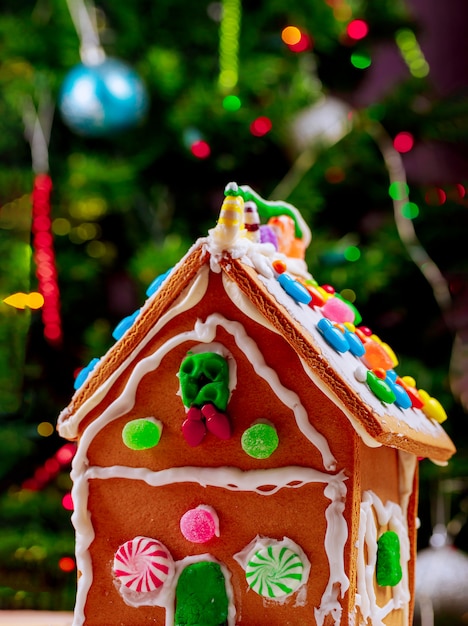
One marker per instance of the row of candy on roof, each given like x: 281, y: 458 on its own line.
x: 339, y: 327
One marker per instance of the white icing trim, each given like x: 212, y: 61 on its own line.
x: 230, y: 478
x: 68, y: 426
x: 203, y: 332
x: 246, y: 306
x: 375, y: 515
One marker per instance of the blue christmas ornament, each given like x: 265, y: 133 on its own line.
x: 102, y: 98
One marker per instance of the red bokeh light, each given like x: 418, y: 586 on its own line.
x: 304, y: 44
x: 403, y: 142
x: 200, y: 149
x: 67, y: 502
x: 357, y: 29
x: 435, y: 196
x: 66, y: 564
x: 65, y: 454
x: 261, y: 126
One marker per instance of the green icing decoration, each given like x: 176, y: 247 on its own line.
x: 388, y: 560
x: 260, y: 440
x: 204, y: 378
x: 265, y: 208
x: 201, y: 598
x: 141, y: 434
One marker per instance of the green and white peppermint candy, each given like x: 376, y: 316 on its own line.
x: 275, y: 571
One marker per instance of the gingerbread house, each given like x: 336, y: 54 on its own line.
x: 247, y: 452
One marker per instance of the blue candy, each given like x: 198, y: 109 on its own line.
x: 333, y: 335
x: 293, y: 288
x: 356, y: 346
x: 124, y: 325
x: 84, y: 373
x: 157, y: 283
x: 402, y: 399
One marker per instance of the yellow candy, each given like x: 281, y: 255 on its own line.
x: 349, y: 326
x: 376, y: 338
x: 323, y: 293
x: 409, y: 380
x: 390, y: 353
x: 424, y: 395
x: 432, y: 407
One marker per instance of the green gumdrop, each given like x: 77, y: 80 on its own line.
x: 260, y: 440
x: 388, y: 560
x: 201, y: 597
x: 205, y: 369
x: 141, y: 434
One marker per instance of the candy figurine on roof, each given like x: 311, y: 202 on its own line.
x: 247, y: 452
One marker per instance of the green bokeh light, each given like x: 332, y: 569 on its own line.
x: 410, y: 210
x: 361, y: 60
x: 232, y: 103
x: 352, y: 253
x: 398, y: 190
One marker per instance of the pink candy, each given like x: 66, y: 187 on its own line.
x: 200, y: 525
x: 337, y: 311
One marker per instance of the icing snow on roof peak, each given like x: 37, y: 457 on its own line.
x: 240, y: 232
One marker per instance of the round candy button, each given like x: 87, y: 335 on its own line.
x: 142, y: 433
x: 260, y: 440
x: 200, y: 525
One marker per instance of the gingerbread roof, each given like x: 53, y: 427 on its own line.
x: 355, y: 369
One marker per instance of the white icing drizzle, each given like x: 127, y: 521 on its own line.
x: 246, y: 306
x: 68, y: 425
x: 264, y: 482
x: 373, y: 516
x: 204, y: 332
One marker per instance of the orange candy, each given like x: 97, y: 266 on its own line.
x: 376, y: 356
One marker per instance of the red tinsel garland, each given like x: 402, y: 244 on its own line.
x: 44, y: 257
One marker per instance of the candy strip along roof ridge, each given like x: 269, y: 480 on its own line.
x: 249, y: 266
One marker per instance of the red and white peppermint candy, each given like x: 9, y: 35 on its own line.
x: 143, y: 564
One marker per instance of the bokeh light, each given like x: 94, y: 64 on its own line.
x: 361, y: 60
x: 410, y: 210
x: 349, y: 295
x: 334, y: 174
x: 357, y: 29
x: 291, y: 35
x: 435, y: 196
x: 412, y: 53
x: 398, y: 190
x: 45, y: 429
x: 403, y: 142
x: 261, y: 126
x: 66, y: 564
x: 232, y: 103
x: 352, y: 253
x: 67, y: 502
x: 200, y: 149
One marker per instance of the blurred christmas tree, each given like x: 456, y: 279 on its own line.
x: 320, y: 103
